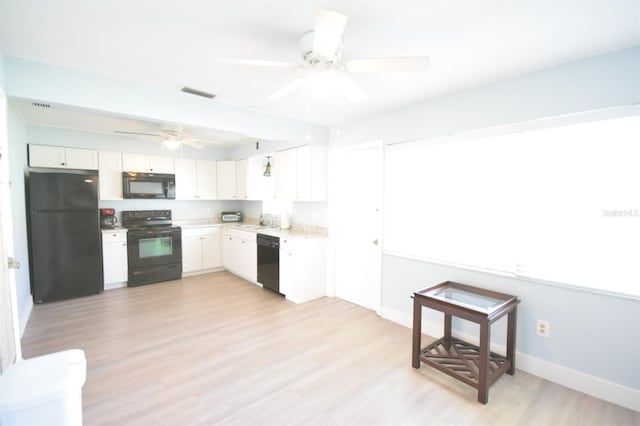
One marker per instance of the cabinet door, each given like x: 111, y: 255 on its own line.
x: 46, y: 156
x: 82, y: 159
x: 134, y: 162
x: 226, y: 180
x: 114, y: 258
x: 206, y: 180
x: 211, y: 256
x: 160, y: 164
x: 303, y: 173
x: 110, y: 172
x: 185, y: 171
x: 248, y: 258
x: 284, y: 170
x: 259, y: 186
x: 227, y: 252
x: 241, y: 179
x: 286, y: 271
x: 319, y: 163
x: 191, y: 253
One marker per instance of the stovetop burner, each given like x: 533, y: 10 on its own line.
x: 144, y: 219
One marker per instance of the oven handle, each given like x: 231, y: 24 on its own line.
x: 154, y: 233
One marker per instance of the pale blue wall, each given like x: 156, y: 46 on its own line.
x: 595, y: 334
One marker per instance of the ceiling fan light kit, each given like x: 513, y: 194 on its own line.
x: 171, y: 143
x: 321, y: 51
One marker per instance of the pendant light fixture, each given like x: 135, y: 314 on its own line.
x: 267, y: 169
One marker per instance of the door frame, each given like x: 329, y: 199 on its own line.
x: 335, y: 211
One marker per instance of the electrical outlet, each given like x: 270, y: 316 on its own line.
x: 542, y: 328
x: 207, y: 211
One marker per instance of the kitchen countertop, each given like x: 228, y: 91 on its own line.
x: 297, y: 231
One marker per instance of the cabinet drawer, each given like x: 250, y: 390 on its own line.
x: 200, y: 232
x: 114, y: 237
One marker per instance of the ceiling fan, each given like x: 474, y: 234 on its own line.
x: 171, y: 135
x: 321, y: 50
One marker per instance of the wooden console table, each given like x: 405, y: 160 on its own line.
x: 474, y: 365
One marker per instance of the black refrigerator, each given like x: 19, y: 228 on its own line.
x: 64, y: 236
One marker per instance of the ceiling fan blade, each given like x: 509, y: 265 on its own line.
x: 351, y: 90
x: 123, y: 132
x: 257, y: 63
x: 327, y: 33
x: 398, y: 64
x: 284, y: 91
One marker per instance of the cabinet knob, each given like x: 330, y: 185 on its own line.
x: 62, y: 164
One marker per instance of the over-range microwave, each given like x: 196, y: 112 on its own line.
x: 148, y: 185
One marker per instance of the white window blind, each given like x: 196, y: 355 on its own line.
x: 558, y: 204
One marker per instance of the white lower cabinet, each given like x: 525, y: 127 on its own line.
x: 303, y: 265
x: 240, y: 253
x: 114, y: 258
x: 201, y: 250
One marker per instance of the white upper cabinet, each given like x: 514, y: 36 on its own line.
x: 206, y: 179
x: 195, y: 179
x: 242, y: 167
x: 226, y: 180
x: 147, y: 163
x: 110, y: 172
x: 251, y: 184
x: 312, y: 171
x: 284, y: 172
x: 301, y: 173
x: 185, y: 171
x: 63, y: 158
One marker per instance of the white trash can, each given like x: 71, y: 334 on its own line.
x: 46, y: 390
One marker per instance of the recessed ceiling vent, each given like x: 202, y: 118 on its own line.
x: 41, y: 105
x: 197, y: 92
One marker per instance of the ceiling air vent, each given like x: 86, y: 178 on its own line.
x: 41, y: 105
x: 198, y: 92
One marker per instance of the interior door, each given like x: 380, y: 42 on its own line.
x: 355, y: 206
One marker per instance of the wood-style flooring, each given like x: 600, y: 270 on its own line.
x: 214, y: 349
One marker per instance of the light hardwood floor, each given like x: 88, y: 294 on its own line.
x: 214, y: 349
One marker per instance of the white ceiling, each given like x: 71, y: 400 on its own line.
x: 169, y: 44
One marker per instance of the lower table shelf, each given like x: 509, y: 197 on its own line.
x: 461, y: 360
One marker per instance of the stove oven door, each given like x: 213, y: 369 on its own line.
x: 154, y: 255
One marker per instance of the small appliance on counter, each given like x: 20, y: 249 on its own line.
x: 231, y: 216
x: 108, y: 219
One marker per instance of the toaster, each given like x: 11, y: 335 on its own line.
x: 231, y: 216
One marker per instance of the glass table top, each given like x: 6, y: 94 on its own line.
x: 465, y: 298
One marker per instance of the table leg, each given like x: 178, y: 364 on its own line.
x: 417, y: 332
x: 483, y: 367
x: 511, y: 340
x: 447, y: 325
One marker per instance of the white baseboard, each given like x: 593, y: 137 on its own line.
x: 111, y: 286
x: 608, y: 391
x: 24, y: 315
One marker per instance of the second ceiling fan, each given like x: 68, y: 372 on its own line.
x: 321, y: 50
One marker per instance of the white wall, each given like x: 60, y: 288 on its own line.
x: 32, y: 80
x: 17, y: 158
x: 595, y: 335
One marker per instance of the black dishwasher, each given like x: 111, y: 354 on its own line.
x: 269, y: 262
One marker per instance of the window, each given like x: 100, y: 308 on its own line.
x: 559, y: 204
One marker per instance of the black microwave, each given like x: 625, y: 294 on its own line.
x: 148, y: 185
